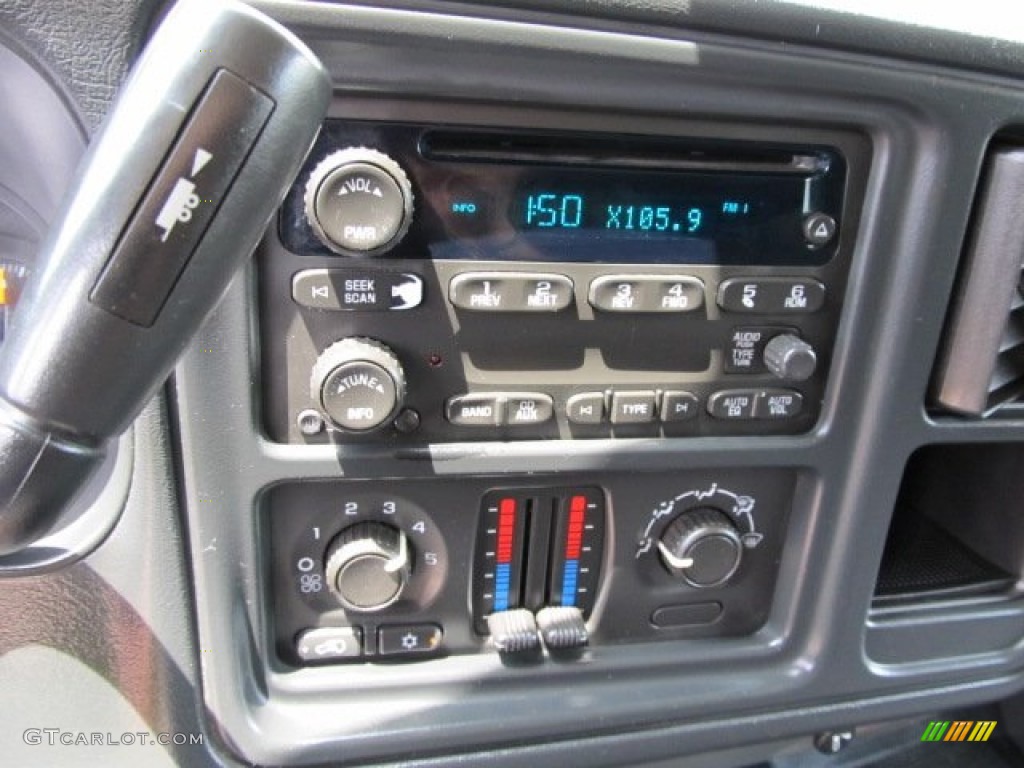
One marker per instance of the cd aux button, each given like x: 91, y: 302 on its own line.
x: 646, y: 293
x: 528, y: 408
x: 510, y: 292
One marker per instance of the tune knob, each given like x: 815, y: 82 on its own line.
x: 790, y: 357
x: 703, y: 546
x: 358, y: 383
x: 359, y: 202
x: 368, y: 566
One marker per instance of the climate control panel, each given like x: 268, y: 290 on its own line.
x: 520, y: 566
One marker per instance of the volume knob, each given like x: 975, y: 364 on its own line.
x: 359, y: 202
x: 358, y: 383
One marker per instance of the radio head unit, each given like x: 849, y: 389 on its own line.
x: 438, y: 284
x: 513, y: 197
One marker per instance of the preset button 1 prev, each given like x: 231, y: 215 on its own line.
x: 510, y: 292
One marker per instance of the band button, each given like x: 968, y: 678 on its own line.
x: 478, y: 410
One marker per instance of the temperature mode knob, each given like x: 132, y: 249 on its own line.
x: 790, y: 357
x: 359, y: 202
x: 703, y: 546
x: 358, y: 383
x: 368, y: 566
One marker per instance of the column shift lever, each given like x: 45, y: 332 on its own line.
x: 174, y: 194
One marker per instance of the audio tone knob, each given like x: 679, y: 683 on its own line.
x: 358, y: 383
x: 790, y: 357
x: 703, y: 546
x: 359, y: 202
x: 368, y: 566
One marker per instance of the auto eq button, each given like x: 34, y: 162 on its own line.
x: 733, y: 404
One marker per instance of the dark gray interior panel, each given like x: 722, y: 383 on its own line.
x: 880, y: 583
x: 813, y: 644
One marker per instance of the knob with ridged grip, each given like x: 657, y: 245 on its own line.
x: 703, y: 546
x: 358, y: 383
x: 789, y: 357
x: 359, y: 202
x: 368, y: 566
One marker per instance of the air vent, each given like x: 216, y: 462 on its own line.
x: 1006, y: 385
x: 981, y: 371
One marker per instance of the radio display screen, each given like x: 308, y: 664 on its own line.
x: 499, y: 199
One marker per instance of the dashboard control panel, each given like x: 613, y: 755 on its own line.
x: 431, y: 285
x: 363, y: 571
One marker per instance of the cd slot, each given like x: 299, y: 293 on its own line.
x: 620, y: 152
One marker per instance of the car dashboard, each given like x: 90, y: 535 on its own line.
x: 616, y: 383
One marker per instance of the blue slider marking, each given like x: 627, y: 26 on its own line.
x: 570, y: 575
x: 502, y: 585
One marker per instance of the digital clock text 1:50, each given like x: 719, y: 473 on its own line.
x: 560, y: 211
